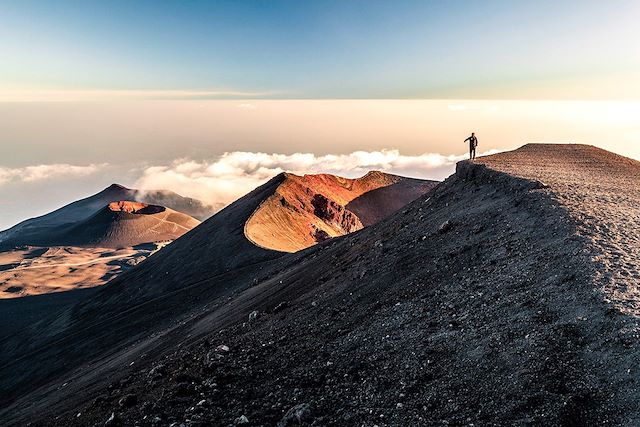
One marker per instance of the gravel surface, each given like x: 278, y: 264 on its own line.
x: 601, y: 192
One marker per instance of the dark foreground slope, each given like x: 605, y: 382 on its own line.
x: 143, y: 305
x: 488, y: 301
x: 196, y: 269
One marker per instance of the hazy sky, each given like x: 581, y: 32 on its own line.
x: 153, y: 94
x: 324, y: 49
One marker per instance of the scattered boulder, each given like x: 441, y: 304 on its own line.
x: 113, y: 421
x: 296, y: 416
x: 221, y: 349
x: 241, y: 420
x: 128, y: 401
x: 184, y: 390
x: 212, y: 357
x: 445, y: 226
x: 157, y: 372
x: 132, y: 262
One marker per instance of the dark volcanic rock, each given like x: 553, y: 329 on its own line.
x: 333, y: 213
x: 128, y: 401
x: 298, y: 415
x: 113, y: 421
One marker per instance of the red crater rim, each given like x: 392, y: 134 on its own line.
x: 134, y: 207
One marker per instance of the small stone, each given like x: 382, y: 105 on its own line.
x: 253, y: 316
x: 113, y: 421
x: 296, y: 416
x: 157, y: 372
x: 280, y: 306
x: 445, y: 226
x: 222, y: 348
x: 99, y: 400
x: 128, y: 401
x: 242, y: 419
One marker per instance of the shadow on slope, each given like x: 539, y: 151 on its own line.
x: 375, y: 205
x: 143, y: 299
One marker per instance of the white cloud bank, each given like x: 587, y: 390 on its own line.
x: 234, y: 174
x: 41, y: 172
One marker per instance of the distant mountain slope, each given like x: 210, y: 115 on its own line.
x: 92, y: 251
x: 375, y: 205
x: 305, y: 210
x: 38, y: 231
x: 124, y: 224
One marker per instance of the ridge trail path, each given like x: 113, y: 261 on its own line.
x: 163, y: 220
x: 68, y: 264
x: 601, y: 191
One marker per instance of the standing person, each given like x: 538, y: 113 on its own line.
x: 473, y: 143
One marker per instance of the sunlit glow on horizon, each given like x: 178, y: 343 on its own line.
x: 131, y: 135
x: 92, y: 95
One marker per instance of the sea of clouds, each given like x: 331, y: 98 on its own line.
x: 233, y: 174
x: 221, y: 180
x: 41, y: 172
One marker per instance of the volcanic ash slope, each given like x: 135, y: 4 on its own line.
x: 127, y: 223
x: 505, y: 296
x: 89, y: 252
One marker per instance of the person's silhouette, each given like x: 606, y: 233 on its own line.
x: 473, y: 143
